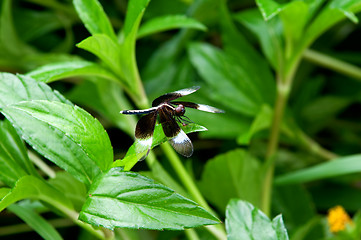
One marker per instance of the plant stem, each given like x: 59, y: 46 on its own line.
x: 191, y: 187
x: 191, y: 234
x: 41, y: 165
x: 333, y: 63
x: 23, y: 227
x: 282, y: 95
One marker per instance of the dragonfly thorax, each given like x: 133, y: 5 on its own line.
x: 180, y: 110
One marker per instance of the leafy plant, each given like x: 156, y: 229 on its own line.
x: 248, y: 59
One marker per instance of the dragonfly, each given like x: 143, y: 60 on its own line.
x: 170, y: 113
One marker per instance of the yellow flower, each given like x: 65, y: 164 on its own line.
x: 337, y: 219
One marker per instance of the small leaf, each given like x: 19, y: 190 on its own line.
x: 127, y: 199
x: 17, y: 88
x: 164, y: 23
x: 241, y: 176
x: 14, y: 161
x: 136, y: 151
x: 244, y: 221
x: 262, y: 121
x: 337, y: 167
x: 135, y: 13
x: 34, y: 188
x: 55, y: 71
x: 269, y: 8
x: 36, y: 222
x: 66, y: 135
x: 106, y: 49
x: 94, y: 17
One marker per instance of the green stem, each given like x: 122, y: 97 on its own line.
x: 41, y: 165
x: 332, y: 63
x: 23, y: 227
x: 191, y: 234
x: 189, y: 184
x: 73, y: 215
x: 282, y: 95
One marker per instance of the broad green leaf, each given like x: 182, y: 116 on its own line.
x: 108, y: 99
x: 241, y: 176
x: 3, y: 192
x: 213, y: 64
x: 127, y: 199
x: 136, y: 151
x: 244, y: 221
x: 14, y: 160
x: 253, y: 71
x: 66, y: 135
x: 36, y: 222
x: 35, y: 188
x: 94, y: 17
x: 17, y: 88
x: 73, y: 190
x: 337, y: 167
x: 106, y: 49
x: 268, y: 34
x: 164, y: 23
x: 55, y: 71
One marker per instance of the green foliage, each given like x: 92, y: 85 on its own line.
x: 288, y: 117
x: 126, y: 199
x: 244, y: 221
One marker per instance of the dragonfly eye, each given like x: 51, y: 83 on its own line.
x: 180, y: 110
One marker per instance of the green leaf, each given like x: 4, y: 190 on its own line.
x: 134, y: 15
x: 106, y: 49
x: 164, y: 23
x: 91, y: 94
x: 213, y: 64
x: 244, y: 221
x: 127, y: 199
x: 59, y: 70
x: 10, y: 43
x: 136, y: 151
x: 241, y: 176
x: 253, y: 71
x: 269, y: 8
x: 127, y: 38
x: 295, y: 204
x: 337, y: 167
x: 66, y: 135
x: 17, y: 88
x: 94, y: 17
x: 334, y: 12
x: 14, y: 161
x: 262, y: 121
x: 35, y: 188
x: 268, y: 34
x: 36, y: 222
x: 72, y: 189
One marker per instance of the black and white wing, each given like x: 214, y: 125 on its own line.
x: 144, y: 133
x: 174, y: 95
x: 177, y: 137
x: 202, y: 107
